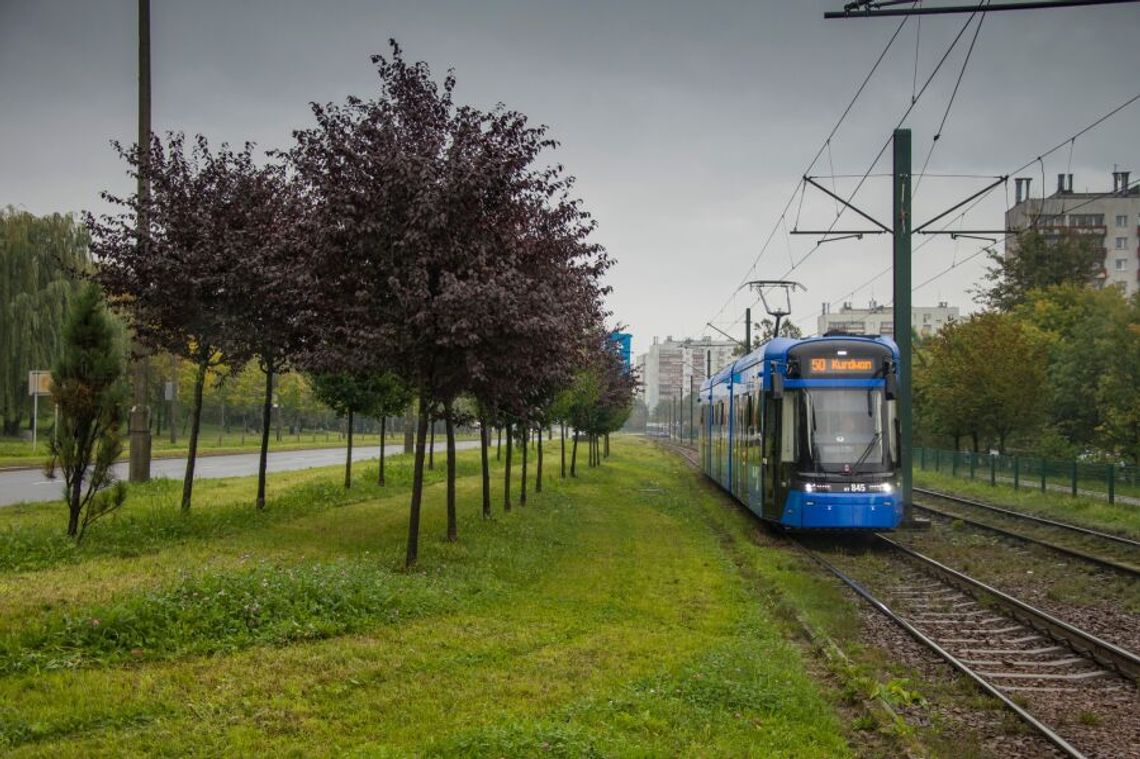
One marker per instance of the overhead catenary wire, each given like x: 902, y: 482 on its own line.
x: 815, y: 158
x: 887, y: 143
x: 800, y: 188
x: 949, y: 103
x: 1070, y: 141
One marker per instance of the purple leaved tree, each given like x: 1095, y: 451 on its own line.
x: 176, y: 278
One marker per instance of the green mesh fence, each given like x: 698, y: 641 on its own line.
x: 1114, y: 482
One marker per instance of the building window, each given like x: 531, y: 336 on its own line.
x: 1121, y: 243
x: 1086, y: 219
x: 1121, y: 220
x: 1121, y: 263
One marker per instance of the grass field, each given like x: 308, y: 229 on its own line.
x: 605, y: 618
x: 16, y: 452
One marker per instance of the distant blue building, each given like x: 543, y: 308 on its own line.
x: 624, y: 342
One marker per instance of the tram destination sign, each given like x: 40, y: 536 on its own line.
x: 838, y: 366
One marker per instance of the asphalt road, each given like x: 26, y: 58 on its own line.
x: 31, y: 485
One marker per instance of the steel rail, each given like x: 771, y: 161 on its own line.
x: 1046, y: 731
x: 1091, y: 558
x: 1029, y: 517
x: 1116, y: 658
x: 1110, y: 655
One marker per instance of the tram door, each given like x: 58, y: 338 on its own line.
x: 772, y: 509
x: 755, y: 452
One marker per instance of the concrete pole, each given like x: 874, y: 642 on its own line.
x: 139, y: 419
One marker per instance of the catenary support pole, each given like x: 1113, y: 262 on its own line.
x: 902, y: 297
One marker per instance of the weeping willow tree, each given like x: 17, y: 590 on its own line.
x: 41, y: 257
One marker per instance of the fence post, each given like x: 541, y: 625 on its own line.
x: 1043, y: 465
x: 993, y: 471
x: 1074, y: 478
x: 1016, y: 473
x: 954, y: 464
x: 922, y: 459
x: 1111, y: 484
x: 973, y: 465
x: 938, y: 460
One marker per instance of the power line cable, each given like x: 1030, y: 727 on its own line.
x: 1071, y: 140
x: 815, y: 158
x: 949, y: 103
x: 887, y: 144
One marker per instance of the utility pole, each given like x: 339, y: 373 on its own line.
x: 139, y: 420
x: 902, y: 310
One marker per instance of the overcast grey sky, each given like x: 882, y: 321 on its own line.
x: 687, y: 124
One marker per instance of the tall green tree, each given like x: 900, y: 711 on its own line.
x: 1036, y: 262
x: 1093, y: 365
x: 41, y: 258
x: 86, y: 386
x: 350, y: 394
x: 980, y: 377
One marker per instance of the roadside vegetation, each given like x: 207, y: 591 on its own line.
x: 1094, y: 513
x: 568, y: 627
x: 1049, y: 369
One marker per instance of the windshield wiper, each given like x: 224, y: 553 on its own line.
x: 866, y: 452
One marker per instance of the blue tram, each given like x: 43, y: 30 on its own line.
x: 805, y: 434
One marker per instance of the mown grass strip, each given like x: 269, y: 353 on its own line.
x: 602, y: 619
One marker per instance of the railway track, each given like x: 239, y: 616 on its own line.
x: 1104, y: 549
x: 1076, y: 690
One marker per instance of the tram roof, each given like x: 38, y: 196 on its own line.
x: 777, y: 350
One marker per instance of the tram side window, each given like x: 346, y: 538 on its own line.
x: 788, y: 423
x: 770, y: 427
x: 892, y: 432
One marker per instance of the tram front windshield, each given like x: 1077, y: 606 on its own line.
x: 844, y: 429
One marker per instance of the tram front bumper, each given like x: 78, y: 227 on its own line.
x: 841, y: 511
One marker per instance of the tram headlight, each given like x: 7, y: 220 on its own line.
x: 817, y: 487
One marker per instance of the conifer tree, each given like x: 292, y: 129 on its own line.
x: 86, y: 386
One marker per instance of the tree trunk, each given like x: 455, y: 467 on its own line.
x: 574, y: 455
x: 607, y: 445
x: 499, y: 449
x: 507, y: 473
x: 417, y: 488
x: 409, y: 428
x: 538, y: 465
x: 484, y: 444
x: 383, y: 431
x: 173, y: 398
x: 348, y: 457
x: 524, y: 440
x: 73, y: 498
x: 562, y: 432
x: 266, y: 411
x: 196, y: 423
x: 974, y: 437
x: 452, y: 526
